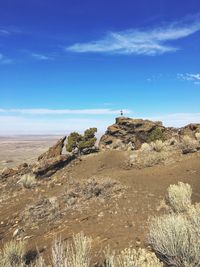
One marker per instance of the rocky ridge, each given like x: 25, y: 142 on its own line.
x: 130, y: 134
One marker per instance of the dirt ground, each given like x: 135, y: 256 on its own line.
x: 118, y: 217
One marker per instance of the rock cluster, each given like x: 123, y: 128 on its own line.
x: 130, y: 134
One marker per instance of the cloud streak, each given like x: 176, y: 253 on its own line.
x: 44, y: 111
x: 193, y: 77
x: 140, y: 42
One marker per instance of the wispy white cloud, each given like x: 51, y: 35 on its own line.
x: 193, y: 77
x: 178, y: 119
x: 43, y: 111
x: 40, y: 57
x: 140, y: 42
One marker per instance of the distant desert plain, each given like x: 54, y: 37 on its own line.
x: 23, y: 148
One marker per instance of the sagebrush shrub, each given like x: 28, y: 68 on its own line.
x: 174, y: 238
x: 27, y: 180
x: 131, y: 257
x: 12, y: 254
x: 72, y: 254
x: 179, y: 197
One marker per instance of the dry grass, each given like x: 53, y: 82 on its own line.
x: 179, y: 197
x: 75, y: 254
x: 28, y: 180
x: 12, y: 254
x: 130, y: 257
x: 194, y: 216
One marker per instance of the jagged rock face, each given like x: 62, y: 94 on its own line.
x: 127, y: 133
x: 53, y: 151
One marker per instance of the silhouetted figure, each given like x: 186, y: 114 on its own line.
x: 121, y: 113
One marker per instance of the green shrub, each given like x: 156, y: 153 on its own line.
x: 76, y: 140
x: 156, y: 134
x: 73, y: 140
x: 90, y: 133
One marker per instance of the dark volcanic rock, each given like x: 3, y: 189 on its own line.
x: 54, y: 151
x: 129, y: 134
x: 18, y: 171
x: 47, y: 167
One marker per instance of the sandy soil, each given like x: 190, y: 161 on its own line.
x: 119, y: 220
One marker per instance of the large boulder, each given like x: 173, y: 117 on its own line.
x: 54, y: 151
x: 129, y: 133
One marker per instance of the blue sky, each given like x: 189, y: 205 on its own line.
x: 68, y: 64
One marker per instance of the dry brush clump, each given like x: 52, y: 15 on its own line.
x: 92, y: 189
x: 179, y: 197
x: 27, y: 180
x: 45, y: 209
x: 175, y: 237
x: 130, y: 257
x: 147, y: 158
x: 175, y: 240
x: 12, y: 254
x: 189, y: 145
x: 72, y: 254
x: 153, y: 153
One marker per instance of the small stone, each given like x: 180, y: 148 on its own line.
x: 101, y: 214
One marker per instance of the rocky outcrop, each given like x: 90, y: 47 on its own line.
x: 190, y: 130
x: 47, y: 167
x: 10, y: 172
x: 48, y: 163
x: 130, y: 134
x: 54, y: 151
